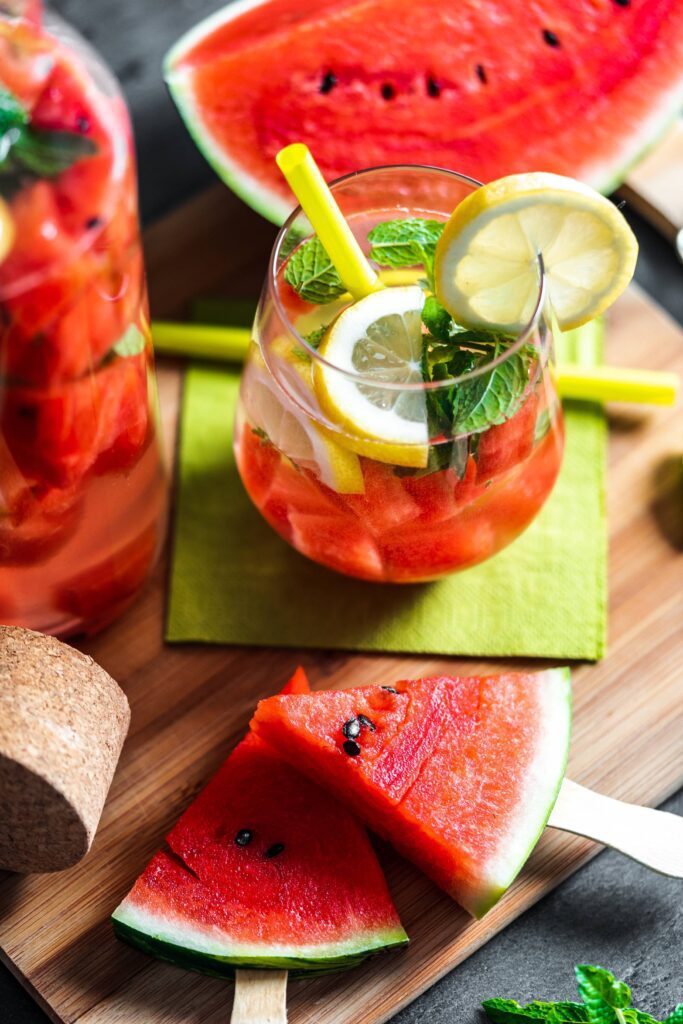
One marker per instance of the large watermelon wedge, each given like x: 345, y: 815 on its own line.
x: 486, y: 87
x: 263, y: 870
x: 459, y: 774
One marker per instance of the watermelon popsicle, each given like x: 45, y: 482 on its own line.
x: 461, y: 775
x: 263, y: 870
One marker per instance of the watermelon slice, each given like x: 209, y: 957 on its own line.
x: 486, y: 87
x: 264, y: 869
x: 460, y: 774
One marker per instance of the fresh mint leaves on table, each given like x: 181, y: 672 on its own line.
x: 449, y: 350
x: 28, y: 154
x: 605, y: 1001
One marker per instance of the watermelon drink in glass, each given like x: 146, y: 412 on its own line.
x: 377, y: 437
x: 82, y: 483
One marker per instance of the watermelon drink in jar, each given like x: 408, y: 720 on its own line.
x: 381, y: 437
x: 82, y: 483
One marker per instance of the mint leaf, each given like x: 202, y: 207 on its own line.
x: 12, y: 114
x: 309, y: 271
x: 436, y: 319
x: 492, y: 397
x: 131, y: 343
x: 28, y: 154
x: 47, y: 154
x: 507, y: 1011
x: 313, y: 338
x: 406, y: 242
x: 604, y: 996
x: 606, y: 1000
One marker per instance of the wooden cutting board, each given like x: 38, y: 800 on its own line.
x: 191, y: 704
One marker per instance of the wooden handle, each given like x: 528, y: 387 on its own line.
x: 260, y: 997
x: 655, y: 838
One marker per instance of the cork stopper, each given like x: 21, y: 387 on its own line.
x: 63, y: 721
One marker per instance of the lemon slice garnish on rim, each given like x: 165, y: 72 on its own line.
x: 293, y: 432
x: 486, y: 265
x: 378, y: 338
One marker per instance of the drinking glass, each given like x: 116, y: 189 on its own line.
x: 348, y: 502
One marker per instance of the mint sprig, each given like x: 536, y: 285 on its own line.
x: 405, y: 243
x: 605, y: 1001
x: 28, y: 154
x: 309, y: 271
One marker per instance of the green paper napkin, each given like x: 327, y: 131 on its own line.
x: 235, y: 581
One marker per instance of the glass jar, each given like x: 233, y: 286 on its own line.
x: 404, y: 512
x: 82, y: 481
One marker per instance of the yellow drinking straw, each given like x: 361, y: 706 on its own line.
x: 308, y: 185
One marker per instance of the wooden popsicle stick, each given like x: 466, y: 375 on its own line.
x: 260, y: 997
x: 654, y: 838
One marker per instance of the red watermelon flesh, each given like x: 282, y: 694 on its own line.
x: 301, y: 890
x: 485, y: 87
x: 460, y: 774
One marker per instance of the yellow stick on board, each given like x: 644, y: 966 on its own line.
x: 617, y: 384
x: 308, y: 185
x: 590, y: 383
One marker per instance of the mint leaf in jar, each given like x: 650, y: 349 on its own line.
x: 28, y: 154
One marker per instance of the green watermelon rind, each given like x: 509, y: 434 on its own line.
x: 269, y: 203
x: 558, y: 738
x: 274, y: 207
x: 156, y: 942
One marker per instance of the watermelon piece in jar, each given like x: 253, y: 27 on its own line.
x: 56, y: 434
x: 101, y: 592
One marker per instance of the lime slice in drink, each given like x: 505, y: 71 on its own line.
x: 486, y: 266
x: 378, y: 339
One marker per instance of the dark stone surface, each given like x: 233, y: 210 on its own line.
x: 613, y: 912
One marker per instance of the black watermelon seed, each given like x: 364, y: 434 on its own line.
x: 389, y: 689
x: 329, y: 80
x: 481, y: 73
x: 622, y: 3
x: 366, y: 722
x: 274, y: 850
x: 550, y: 38
x: 351, y: 729
x: 83, y: 125
x: 433, y: 88
x: 388, y: 91
x: 244, y: 837
x: 93, y: 222
x: 351, y: 748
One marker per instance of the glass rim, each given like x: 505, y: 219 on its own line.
x: 521, y: 339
